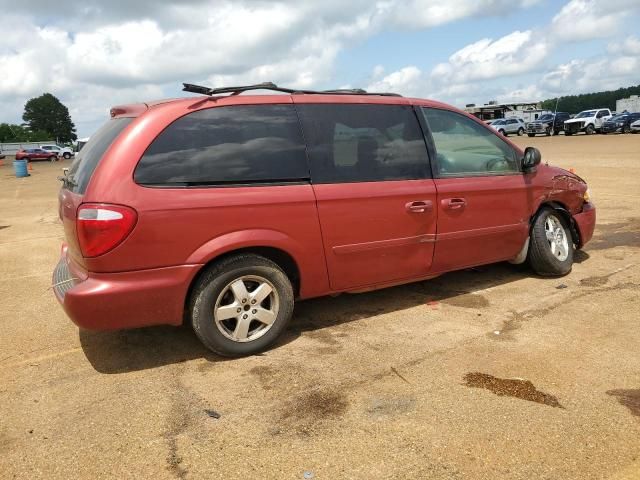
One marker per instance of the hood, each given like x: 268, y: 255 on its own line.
x: 561, y: 173
x: 576, y: 120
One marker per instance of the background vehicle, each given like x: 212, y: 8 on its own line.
x: 36, y: 154
x: 505, y: 126
x: 635, y: 127
x: 64, y: 152
x: 588, y: 121
x: 227, y: 211
x: 620, y: 123
x: 547, y: 124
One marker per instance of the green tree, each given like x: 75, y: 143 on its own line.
x: 47, y: 114
x: 16, y: 133
x: 577, y: 103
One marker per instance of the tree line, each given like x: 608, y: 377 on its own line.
x: 46, y: 118
x: 585, y: 101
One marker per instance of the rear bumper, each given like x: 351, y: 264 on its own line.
x: 586, y: 223
x: 111, y: 301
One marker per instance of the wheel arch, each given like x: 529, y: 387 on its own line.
x: 564, y: 212
x: 285, y: 260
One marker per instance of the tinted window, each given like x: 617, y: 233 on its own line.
x: 87, y: 159
x: 227, y: 145
x: 363, y: 143
x: 602, y: 113
x: 465, y: 147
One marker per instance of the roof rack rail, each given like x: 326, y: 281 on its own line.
x: 189, y: 87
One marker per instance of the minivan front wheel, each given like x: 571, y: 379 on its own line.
x: 241, y: 305
x: 551, y: 245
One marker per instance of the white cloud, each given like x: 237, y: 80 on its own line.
x: 95, y: 54
x: 582, y: 20
x: 513, y: 54
x: 629, y: 46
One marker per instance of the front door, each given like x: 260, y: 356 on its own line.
x: 484, y: 201
x: 376, y: 200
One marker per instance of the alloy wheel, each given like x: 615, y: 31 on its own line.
x: 246, y: 308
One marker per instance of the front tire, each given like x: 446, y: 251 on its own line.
x: 626, y: 129
x: 502, y: 132
x: 241, y: 305
x: 53, y: 158
x: 590, y: 130
x: 66, y: 155
x: 551, y: 244
x: 520, y: 131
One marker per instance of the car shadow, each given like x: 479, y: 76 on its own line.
x: 152, y: 347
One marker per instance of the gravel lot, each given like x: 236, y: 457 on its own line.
x: 482, y: 374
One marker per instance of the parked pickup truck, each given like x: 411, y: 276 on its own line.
x: 548, y: 123
x: 587, y: 121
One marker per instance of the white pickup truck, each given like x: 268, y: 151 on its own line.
x: 587, y: 121
x: 64, y: 152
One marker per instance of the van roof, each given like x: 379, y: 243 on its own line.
x: 197, y: 102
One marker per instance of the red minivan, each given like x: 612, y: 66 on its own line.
x: 221, y: 210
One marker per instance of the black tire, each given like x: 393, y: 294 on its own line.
x: 215, y: 281
x: 531, y: 134
x: 66, y: 155
x: 502, y: 132
x: 548, y: 131
x: 520, y: 131
x: 567, y: 133
x: 626, y: 129
x: 556, y: 132
x: 540, y: 256
x: 53, y: 158
x: 590, y: 130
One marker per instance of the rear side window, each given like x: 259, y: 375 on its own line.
x: 227, y: 145
x: 87, y: 159
x: 363, y: 143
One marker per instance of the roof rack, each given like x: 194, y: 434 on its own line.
x: 189, y: 87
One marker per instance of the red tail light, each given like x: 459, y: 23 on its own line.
x: 102, y: 227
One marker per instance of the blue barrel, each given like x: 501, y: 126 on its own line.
x: 20, y: 166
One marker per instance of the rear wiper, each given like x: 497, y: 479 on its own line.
x: 66, y: 179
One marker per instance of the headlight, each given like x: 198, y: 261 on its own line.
x: 586, y: 196
x: 619, y: 124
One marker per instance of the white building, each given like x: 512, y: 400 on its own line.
x: 631, y: 104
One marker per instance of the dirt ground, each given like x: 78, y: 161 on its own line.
x: 482, y: 374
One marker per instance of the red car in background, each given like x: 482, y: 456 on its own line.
x: 29, y: 154
x: 222, y: 210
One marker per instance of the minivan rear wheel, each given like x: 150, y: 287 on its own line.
x: 241, y: 305
x: 551, y: 244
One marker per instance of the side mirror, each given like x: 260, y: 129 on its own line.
x: 531, y: 159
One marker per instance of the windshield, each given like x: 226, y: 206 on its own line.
x: 545, y: 117
x: 586, y: 113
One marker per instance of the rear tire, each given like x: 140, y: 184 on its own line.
x: 66, y: 155
x: 520, y: 131
x: 228, y: 312
x: 551, y: 244
x: 626, y: 129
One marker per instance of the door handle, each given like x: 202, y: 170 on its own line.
x: 454, y: 203
x: 419, y: 206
